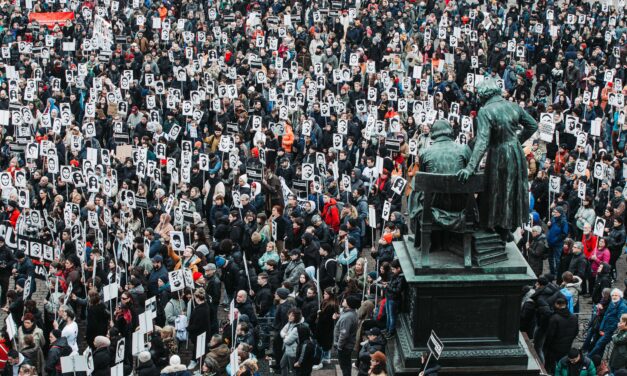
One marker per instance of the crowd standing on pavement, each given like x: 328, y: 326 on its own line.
x: 215, y: 187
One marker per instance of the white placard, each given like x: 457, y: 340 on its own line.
x: 201, y: 342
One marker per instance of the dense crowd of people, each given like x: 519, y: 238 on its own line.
x: 215, y: 188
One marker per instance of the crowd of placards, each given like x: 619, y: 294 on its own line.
x: 163, y: 161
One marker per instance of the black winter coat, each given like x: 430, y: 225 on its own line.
x: 578, y: 265
x: 147, y: 369
x: 264, y: 299
x: 561, y: 332
x: 97, y: 322
x: 543, y: 298
x: 199, y: 321
x: 363, y: 359
x: 101, y: 362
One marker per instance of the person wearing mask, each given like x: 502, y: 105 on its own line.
x: 610, y: 321
x: 345, y: 332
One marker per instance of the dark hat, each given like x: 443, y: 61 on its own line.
x: 374, y: 332
x: 573, y: 353
x: 353, y: 301
x: 56, y: 333
x: 157, y: 258
x: 542, y: 281
x: 1, y: 238
x: 19, y: 254
x: 20, y: 282
x: 282, y: 292
x: 13, y: 203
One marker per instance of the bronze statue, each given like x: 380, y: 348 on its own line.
x: 504, y: 204
x: 444, y: 156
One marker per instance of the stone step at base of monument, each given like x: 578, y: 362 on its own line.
x: 489, y: 245
x: 487, y: 259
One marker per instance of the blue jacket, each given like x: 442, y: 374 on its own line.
x: 557, y: 232
x: 612, y: 316
x: 155, y: 247
x: 153, y: 280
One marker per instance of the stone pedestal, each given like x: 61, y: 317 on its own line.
x: 475, y: 312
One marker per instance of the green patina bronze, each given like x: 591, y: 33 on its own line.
x: 502, y: 126
x: 444, y: 156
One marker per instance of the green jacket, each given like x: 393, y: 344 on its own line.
x: 587, y: 368
x: 618, y: 359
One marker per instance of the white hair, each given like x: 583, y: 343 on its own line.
x: 620, y: 292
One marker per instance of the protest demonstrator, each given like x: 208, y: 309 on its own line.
x: 215, y: 187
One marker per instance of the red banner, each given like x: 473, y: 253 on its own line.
x: 51, y: 18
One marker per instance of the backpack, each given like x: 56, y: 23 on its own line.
x: 65, y: 351
x: 180, y: 325
x: 569, y: 299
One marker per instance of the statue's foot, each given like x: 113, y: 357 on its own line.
x: 505, y: 234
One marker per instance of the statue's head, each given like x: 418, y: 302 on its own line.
x: 441, y: 128
x: 487, y: 89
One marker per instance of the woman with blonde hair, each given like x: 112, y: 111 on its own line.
x: 270, y: 254
x: 358, y: 273
x: 169, y: 341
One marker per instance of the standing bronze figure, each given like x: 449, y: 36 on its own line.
x: 504, y: 204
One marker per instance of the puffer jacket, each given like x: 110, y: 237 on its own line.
x: 544, y: 297
x: 561, y: 331
x: 612, y: 316
x: 289, y: 333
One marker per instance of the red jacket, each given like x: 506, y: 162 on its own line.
x: 15, y: 214
x: 331, y: 215
x: 4, y: 354
x: 589, y: 245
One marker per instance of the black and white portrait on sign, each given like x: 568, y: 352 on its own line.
x: 308, y: 171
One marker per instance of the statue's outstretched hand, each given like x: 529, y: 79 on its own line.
x: 463, y: 175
